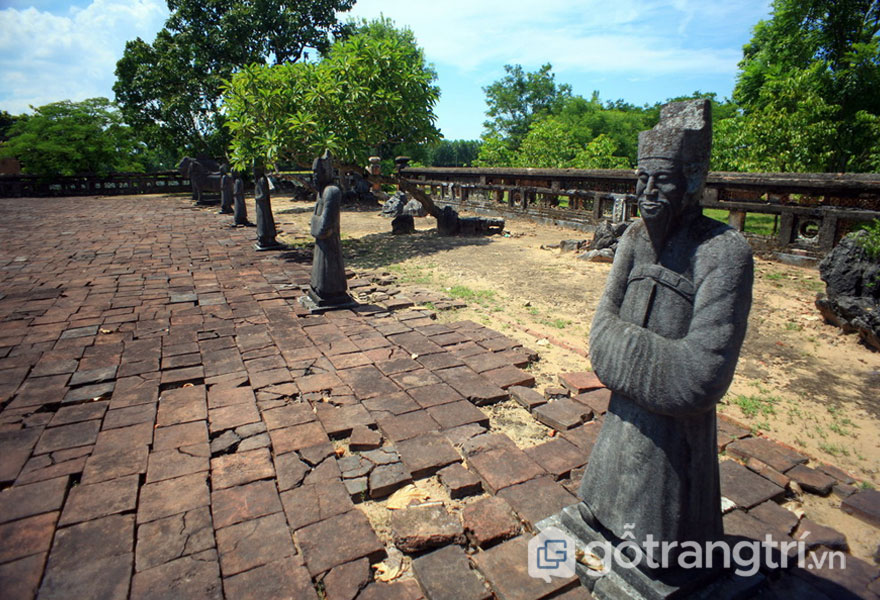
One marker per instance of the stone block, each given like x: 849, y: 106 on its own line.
x: 813, y: 534
x: 745, y: 488
x: 580, y: 382
x: 385, y: 479
x: 489, y: 520
x: 418, y: 528
x: 172, y: 496
x: 456, y: 414
x: 864, y: 505
x: 503, y: 567
x: 503, y: 467
x: 278, y: 580
x: 403, y: 427
x: 173, y: 537
x: 768, y: 472
x: 311, y: 503
x: 86, y: 502
x: 364, y: 438
x: 558, y: 457
x: 595, y: 400
x: 426, y: 454
x: 191, y: 576
x: 254, y: 543
x: 168, y: 464
x: 32, y: 535
x: 528, y: 398
x: 445, y: 574
x: 459, y: 482
x: 537, y: 499
x: 811, y: 480
x: 775, y: 516
x: 320, y: 542
x: 241, y: 467
x: 346, y: 581
x: 777, y: 456
x: 508, y: 376
x: 338, y: 421
x: 562, y: 414
x: 244, y: 502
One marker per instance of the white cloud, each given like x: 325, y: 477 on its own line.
x: 636, y: 36
x: 46, y: 57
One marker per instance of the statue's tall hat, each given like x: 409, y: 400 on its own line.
x: 683, y: 135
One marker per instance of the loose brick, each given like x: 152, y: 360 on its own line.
x: 459, y: 482
x: 322, y: 550
x: 537, y: 499
x: 241, y: 467
x: 426, y: 454
x: 418, y: 528
x: 489, y: 520
x: 253, y: 543
x: 503, y: 467
x: 445, y: 574
x: 244, y: 502
x: 745, y: 488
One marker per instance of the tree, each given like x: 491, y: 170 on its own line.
x: 170, y: 90
x: 372, y: 91
x: 69, y: 138
x: 453, y: 153
x: 813, y: 67
x: 518, y: 98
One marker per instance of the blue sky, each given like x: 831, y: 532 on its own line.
x: 641, y: 51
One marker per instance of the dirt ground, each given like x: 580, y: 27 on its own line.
x: 799, y: 380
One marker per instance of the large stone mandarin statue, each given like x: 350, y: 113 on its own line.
x: 665, y: 339
x: 329, y: 286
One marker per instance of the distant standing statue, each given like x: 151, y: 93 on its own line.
x: 329, y: 287
x: 240, y: 208
x: 266, y: 231
x: 226, y: 193
x: 665, y: 340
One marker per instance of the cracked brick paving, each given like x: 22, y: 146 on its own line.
x: 171, y: 422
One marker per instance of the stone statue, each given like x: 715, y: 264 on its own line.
x: 329, y: 286
x: 226, y: 193
x: 665, y: 340
x: 204, y: 175
x: 240, y: 208
x: 265, y: 221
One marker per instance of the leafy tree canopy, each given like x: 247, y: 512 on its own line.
x: 372, y: 91
x: 809, y: 90
x: 170, y: 90
x: 518, y: 98
x: 70, y: 138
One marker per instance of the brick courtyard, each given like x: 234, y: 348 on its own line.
x: 175, y: 425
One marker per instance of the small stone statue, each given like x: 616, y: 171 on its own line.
x: 240, y: 207
x: 665, y: 339
x: 226, y: 192
x: 329, y: 286
x: 265, y: 221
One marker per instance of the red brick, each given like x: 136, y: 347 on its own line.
x: 322, y: 550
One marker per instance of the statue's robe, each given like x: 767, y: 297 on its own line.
x: 665, y: 339
x: 328, y: 283
x: 266, y: 231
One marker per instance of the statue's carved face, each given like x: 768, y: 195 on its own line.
x: 660, y: 190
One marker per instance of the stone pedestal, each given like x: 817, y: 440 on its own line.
x: 636, y: 584
x: 317, y: 305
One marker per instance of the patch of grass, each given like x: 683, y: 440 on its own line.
x: 792, y: 326
x: 774, y: 276
x: 468, y: 295
x: 752, y: 406
x: 760, y: 224
x: 866, y: 485
x: 839, y: 429
x: 557, y: 323
x: 717, y: 214
x: 833, y: 449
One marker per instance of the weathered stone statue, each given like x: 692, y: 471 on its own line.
x: 240, y: 208
x: 226, y: 192
x: 665, y: 339
x: 329, y: 286
x: 265, y: 221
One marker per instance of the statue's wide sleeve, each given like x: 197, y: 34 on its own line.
x: 677, y: 376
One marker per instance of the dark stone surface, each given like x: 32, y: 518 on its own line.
x: 580, y: 381
x: 537, y: 499
x: 852, y: 298
x: 193, y: 576
x: 665, y: 339
x: 811, y: 480
x: 526, y: 397
x: 328, y: 286
x: 445, y: 574
x: 558, y: 457
x: 266, y: 231
x: 170, y: 538
x: 385, y: 479
x: 253, y: 543
x: 865, y: 505
x: 278, y: 580
x: 562, y: 414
